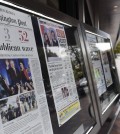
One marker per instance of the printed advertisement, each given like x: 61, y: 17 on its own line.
x: 97, y: 65
x: 106, y: 68
x: 60, y: 70
x: 23, y: 104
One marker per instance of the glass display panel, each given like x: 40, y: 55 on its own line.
x: 103, y: 68
x: 66, y: 54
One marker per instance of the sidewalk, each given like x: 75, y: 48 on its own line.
x: 116, y: 127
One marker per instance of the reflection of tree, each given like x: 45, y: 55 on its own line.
x: 76, y: 64
x: 77, y: 70
x: 46, y: 78
x: 44, y: 68
x: 117, y: 49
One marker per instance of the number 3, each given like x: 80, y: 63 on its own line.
x: 7, y: 35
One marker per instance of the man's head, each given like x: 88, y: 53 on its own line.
x: 53, y: 34
x: 12, y: 64
x: 21, y: 65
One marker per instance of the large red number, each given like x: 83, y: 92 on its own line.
x: 23, y: 36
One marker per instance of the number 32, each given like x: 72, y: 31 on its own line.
x: 23, y: 36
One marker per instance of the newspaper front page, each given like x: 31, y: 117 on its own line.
x: 60, y: 70
x: 97, y: 64
x: 23, y: 104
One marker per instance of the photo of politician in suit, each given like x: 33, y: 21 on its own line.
x: 12, y: 71
x: 54, y: 39
x: 15, y: 77
x: 4, y: 88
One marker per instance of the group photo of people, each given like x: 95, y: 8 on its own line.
x: 28, y: 102
x: 14, y: 107
x: 65, y: 92
x: 10, y: 109
x: 49, y: 36
x: 50, y: 41
x: 15, y: 77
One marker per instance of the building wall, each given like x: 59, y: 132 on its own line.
x: 77, y: 9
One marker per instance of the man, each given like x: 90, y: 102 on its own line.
x: 12, y: 71
x: 23, y: 73
x: 10, y: 114
x: 54, y: 40
x: 4, y: 88
x: 18, y: 110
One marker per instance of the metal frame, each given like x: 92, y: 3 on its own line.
x: 97, y: 127
x: 47, y: 11
x: 105, y: 114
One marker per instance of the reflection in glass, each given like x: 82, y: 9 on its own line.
x: 107, y: 88
x: 85, y: 118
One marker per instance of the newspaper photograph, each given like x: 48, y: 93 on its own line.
x: 15, y: 77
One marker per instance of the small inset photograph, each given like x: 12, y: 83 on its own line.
x: 28, y: 102
x: 10, y: 109
x: 49, y: 36
x: 60, y: 33
x: 50, y: 42
x: 95, y: 55
x: 53, y: 54
x: 65, y: 92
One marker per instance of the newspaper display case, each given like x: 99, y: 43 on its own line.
x: 103, y: 69
x: 62, y: 100
x: 66, y: 83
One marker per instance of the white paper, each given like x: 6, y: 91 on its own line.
x: 97, y: 65
x: 98, y: 72
x: 60, y: 70
x: 22, y: 93
x: 106, y: 68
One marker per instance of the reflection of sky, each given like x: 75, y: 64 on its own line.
x: 5, y: 108
x: 73, y: 56
x: 62, y: 52
x: 54, y: 50
x: 12, y: 101
x: 59, y: 51
x: 103, y: 46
